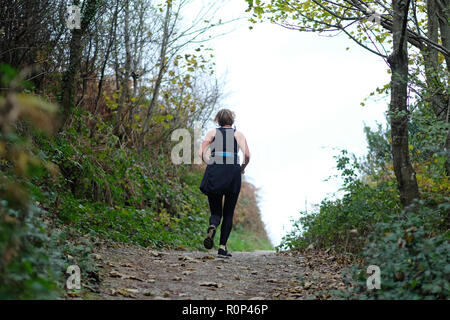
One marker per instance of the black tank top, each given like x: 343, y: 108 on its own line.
x: 223, y: 174
x: 224, y: 147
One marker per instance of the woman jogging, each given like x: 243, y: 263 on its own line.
x: 222, y: 178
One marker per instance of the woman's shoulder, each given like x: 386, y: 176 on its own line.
x: 210, y: 134
x: 239, y: 134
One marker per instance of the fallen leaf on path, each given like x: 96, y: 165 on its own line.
x: 272, y: 280
x: 188, y: 259
x: 276, y: 294
x: 115, y: 274
x: 177, y: 278
x: 132, y: 290
x: 155, y: 253
x: 134, y: 278
x: 90, y: 288
x: 127, y: 265
x: 307, y: 285
x: 296, y: 290
x: 122, y: 292
x: 211, y: 284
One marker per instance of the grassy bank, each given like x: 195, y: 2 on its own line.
x: 410, y: 245
x: 247, y: 240
x: 68, y: 193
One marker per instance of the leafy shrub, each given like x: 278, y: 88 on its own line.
x: 33, y: 256
x: 411, y: 246
x: 152, y: 226
x: 413, y: 256
x: 26, y: 271
x: 344, y: 223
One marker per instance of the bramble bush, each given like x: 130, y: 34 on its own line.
x: 126, y: 196
x: 343, y: 224
x: 412, y: 250
x: 33, y: 255
x: 411, y: 246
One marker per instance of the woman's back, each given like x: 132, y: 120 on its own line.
x: 219, y: 140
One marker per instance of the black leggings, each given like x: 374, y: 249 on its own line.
x: 227, y: 211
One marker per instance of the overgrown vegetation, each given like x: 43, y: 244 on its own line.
x: 413, y: 252
x: 34, y: 254
x: 410, y: 245
x: 85, y: 127
x: 379, y: 217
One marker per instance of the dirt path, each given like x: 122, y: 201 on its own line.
x: 129, y: 272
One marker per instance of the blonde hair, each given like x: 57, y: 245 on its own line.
x: 225, y: 117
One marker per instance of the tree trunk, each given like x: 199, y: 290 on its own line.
x: 68, y: 83
x: 162, y: 69
x: 443, y: 12
x: 447, y: 144
x: 125, y: 92
x: 112, y: 35
x: 398, y: 61
x: 76, y: 52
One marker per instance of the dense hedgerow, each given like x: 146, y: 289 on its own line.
x: 411, y: 246
x: 412, y: 250
x: 343, y: 224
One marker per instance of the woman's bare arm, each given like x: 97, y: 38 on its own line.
x: 206, y: 142
x: 242, y: 142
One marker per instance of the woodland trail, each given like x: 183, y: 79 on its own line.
x: 129, y: 272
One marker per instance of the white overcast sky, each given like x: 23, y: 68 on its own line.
x: 297, y: 100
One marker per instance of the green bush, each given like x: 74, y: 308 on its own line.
x: 177, y: 222
x: 343, y: 224
x: 413, y: 252
x: 411, y: 247
x: 35, y: 256
x: 26, y: 270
